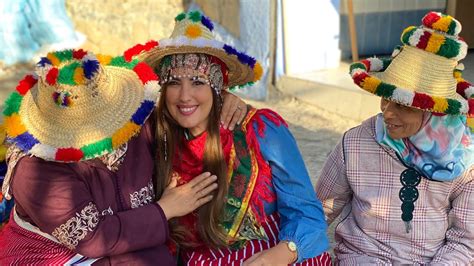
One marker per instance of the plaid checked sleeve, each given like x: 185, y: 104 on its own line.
x: 332, y: 186
x: 459, y: 245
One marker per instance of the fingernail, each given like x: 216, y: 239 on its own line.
x: 214, y: 177
x: 231, y: 128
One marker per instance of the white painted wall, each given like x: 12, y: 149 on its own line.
x: 311, y: 35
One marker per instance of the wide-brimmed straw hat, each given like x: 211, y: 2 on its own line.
x: 424, y: 72
x: 193, y: 34
x: 78, y: 106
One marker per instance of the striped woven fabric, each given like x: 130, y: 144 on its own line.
x: 28, y: 248
x: 227, y: 256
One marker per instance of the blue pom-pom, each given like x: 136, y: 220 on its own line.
x: 207, y: 22
x: 245, y: 59
x: 90, y: 68
x: 143, y: 112
x: 230, y: 50
x: 3, y: 169
x: 44, y: 61
x: 25, y: 141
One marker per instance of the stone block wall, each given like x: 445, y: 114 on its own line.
x: 112, y: 26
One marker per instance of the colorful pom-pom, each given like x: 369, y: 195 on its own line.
x: 207, y: 23
x: 193, y: 31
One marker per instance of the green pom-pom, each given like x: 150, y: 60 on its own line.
x: 63, y: 56
x: 406, y: 36
x: 97, y: 149
x: 385, y: 90
x: 66, y: 74
x: 195, y: 16
x: 386, y: 62
x: 453, y: 107
x: 449, y: 49
x: 452, y: 27
x: 357, y: 65
x: 120, y: 61
x: 12, y: 104
x: 180, y: 17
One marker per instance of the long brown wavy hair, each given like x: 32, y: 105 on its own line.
x: 210, y: 214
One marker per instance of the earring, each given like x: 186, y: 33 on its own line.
x: 166, y: 146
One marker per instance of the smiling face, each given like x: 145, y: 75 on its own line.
x: 401, y: 121
x: 189, y: 102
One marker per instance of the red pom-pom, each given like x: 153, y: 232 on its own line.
x: 359, y: 78
x: 26, y: 84
x: 144, y: 72
x: 470, y: 102
x: 150, y: 45
x: 424, y: 40
x: 52, y: 76
x: 461, y: 87
x: 137, y: 49
x: 430, y: 18
x: 423, y: 101
x: 366, y: 63
x: 69, y: 155
x: 133, y: 51
x: 78, y: 54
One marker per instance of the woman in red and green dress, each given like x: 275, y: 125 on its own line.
x: 264, y: 210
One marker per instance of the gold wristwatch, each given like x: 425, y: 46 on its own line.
x: 292, y: 248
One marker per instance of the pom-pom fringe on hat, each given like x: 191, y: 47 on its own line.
x: 193, y: 34
x: 424, y: 72
x: 79, y: 106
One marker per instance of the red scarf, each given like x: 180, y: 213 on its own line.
x: 188, y: 163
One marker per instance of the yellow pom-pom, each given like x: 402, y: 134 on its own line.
x: 370, y: 84
x: 104, y: 59
x: 14, y: 126
x: 2, y: 133
x: 440, y: 104
x: 457, y: 74
x: 124, y: 134
x: 257, y: 72
x: 442, y: 24
x: 193, y: 31
x: 79, y: 75
x: 54, y: 60
x: 470, y: 123
x: 435, y: 42
x: 3, y: 152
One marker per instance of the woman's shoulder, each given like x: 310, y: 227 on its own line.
x: 364, y: 131
x: 261, y: 119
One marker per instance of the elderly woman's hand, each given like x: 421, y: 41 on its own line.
x: 233, y: 110
x: 179, y: 201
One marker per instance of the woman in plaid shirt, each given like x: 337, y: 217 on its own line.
x: 403, y: 179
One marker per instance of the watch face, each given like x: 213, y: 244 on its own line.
x: 292, y: 246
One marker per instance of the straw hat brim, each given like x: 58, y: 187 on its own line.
x: 90, y: 127
x: 404, y: 82
x: 239, y: 73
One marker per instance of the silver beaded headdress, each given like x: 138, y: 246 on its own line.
x: 192, y: 66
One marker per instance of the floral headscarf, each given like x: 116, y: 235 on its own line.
x: 441, y: 150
